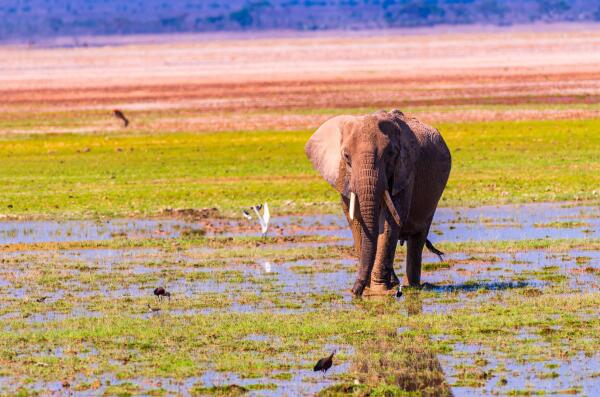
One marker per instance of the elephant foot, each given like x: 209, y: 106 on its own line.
x: 358, y: 288
x: 380, y: 290
x: 407, y: 283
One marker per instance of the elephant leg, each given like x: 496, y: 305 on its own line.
x: 414, y: 256
x: 389, y: 247
x: 383, y: 276
x: 354, y: 226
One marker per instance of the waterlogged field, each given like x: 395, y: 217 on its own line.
x: 253, y: 314
x: 95, y: 216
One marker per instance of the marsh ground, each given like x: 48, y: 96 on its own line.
x: 91, y: 223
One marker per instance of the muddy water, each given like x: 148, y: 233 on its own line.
x: 508, y: 222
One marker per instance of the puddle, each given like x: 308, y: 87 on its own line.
x: 523, y: 378
x: 27, y: 232
x: 507, y: 222
x: 515, y: 270
x: 516, y: 222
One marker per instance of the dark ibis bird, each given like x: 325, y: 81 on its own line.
x: 160, y: 292
x: 399, y: 292
x: 325, y: 363
x: 118, y: 114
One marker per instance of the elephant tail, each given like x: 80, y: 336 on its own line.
x: 434, y: 250
x: 429, y: 246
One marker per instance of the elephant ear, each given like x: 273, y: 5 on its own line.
x: 407, y: 148
x: 406, y: 159
x: 324, y: 151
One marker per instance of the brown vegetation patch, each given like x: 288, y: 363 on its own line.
x: 408, y: 360
x: 191, y: 213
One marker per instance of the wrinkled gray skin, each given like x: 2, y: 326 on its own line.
x: 368, y: 155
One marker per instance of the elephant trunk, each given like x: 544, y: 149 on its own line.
x: 369, y: 193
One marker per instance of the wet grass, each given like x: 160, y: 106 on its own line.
x: 74, y: 176
x: 229, y: 316
x: 569, y: 224
x: 252, y: 247
x: 180, y: 347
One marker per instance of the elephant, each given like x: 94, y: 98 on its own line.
x: 390, y: 170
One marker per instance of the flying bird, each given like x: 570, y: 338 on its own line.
x: 264, y: 219
x: 325, y: 363
x: 41, y: 299
x: 160, y: 292
x: 118, y: 114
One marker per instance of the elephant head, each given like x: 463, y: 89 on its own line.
x: 370, y: 160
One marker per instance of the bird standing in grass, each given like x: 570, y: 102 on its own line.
x: 118, y: 114
x: 325, y: 363
x: 160, y: 292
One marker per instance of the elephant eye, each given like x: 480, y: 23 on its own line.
x: 346, y: 157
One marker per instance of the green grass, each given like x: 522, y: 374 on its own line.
x: 70, y: 175
x: 392, y: 346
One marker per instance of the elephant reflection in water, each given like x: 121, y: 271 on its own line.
x: 390, y: 170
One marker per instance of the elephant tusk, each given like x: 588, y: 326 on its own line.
x: 391, y: 207
x: 352, y: 205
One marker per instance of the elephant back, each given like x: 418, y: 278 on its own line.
x: 430, y: 140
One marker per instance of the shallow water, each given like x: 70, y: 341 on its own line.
x: 296, y: 286
x: 576, y: 373
x: 303, y: 280
x: 516, y: 222
x: 506, y: 222
x: 26, y: 232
